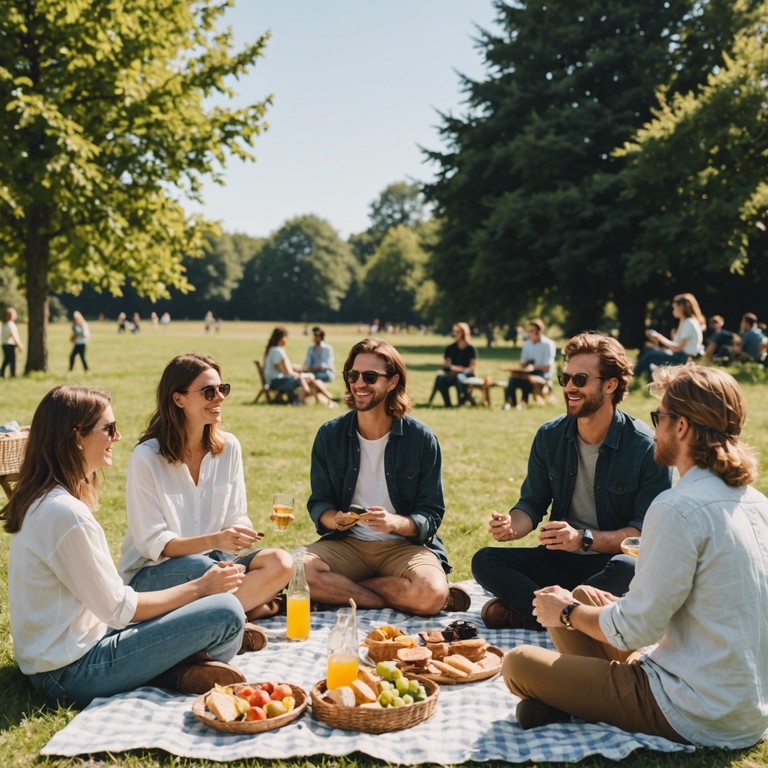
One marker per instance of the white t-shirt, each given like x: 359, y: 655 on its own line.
x: 693, y: 335
x: 63, y: 587
x: 163, y: 502
x: 9, y: 333
x: 539, y: 353
x: 274, y: 356
x: 371, y: 489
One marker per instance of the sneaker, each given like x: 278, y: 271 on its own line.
x: 199, y: 676
x: 531, y: 713
x: 496, y: 614
x: 458, y: 599
x: 254, y: 639
x: 506, y: 407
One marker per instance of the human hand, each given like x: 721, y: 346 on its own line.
x: 557, y: 534
x: 235, y: 538
x: 345, y: 520
x: 548, y: 604
x: 221, y: 577
x: 380, y: 520
x: 500, y: 527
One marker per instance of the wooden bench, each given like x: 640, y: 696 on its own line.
x: 271, y: 396
x: 12, y: 447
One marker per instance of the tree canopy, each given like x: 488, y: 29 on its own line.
x: 108, y: 127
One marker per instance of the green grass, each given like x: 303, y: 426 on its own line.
x: 484, y: 462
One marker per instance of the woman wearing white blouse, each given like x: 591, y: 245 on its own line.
x: 78, y: 631
x: 185, y: 495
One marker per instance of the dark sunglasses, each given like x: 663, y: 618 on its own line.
x: 111, y: 430
x: 579, y: 379
x: 209, y: 392
x: 369, y: 377
x: 655, y: 416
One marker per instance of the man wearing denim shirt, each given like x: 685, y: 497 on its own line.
x: 595, y: 466
x: 387, y: 466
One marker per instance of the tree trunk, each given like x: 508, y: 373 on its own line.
x: 37, y: 258
x: 632, y: 308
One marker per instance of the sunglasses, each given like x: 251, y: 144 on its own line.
x: 111, y: 430
x: 579, y: 379
x: 655, y: 416
x: 369, y: 377
x: 209, y: 392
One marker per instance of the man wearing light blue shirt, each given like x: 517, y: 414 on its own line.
x: 320, y: 357
x: 698, y: 604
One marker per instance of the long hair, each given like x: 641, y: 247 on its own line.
x: 167, y: 424
x: 614, y: 361
x: 712, y: 402
x: 398, y: 403
x: 690, y: 308
x: 466, y: 334
x: 277, y: 334
x: 52, y: 455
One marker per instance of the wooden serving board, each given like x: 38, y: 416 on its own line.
x: 491, y: 664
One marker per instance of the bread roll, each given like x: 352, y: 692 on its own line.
x: 446, y: 669
x: 386, y: 650
x: 343, y: 696
x: 462, y: 663
x: 223, y: 706
x: 363, y: 692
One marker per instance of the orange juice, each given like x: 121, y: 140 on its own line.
x: 342, y: 670
x: 297, y: 618
x: 282, y: 516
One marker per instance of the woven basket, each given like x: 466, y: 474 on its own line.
x: 372, y: 719
x: 250, y: 726
x: 12, y: 448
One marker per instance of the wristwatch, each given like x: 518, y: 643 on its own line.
x: 586, y: 539
x: 565, y: 615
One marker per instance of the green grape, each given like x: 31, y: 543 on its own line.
x: 385, y: 685
x: 397, y: 673
x: 413, y: 687
x: 384, y: 669
x: 407, y: 699
x: 402, y: 685
x: 397, y: 702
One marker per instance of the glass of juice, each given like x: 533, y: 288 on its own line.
x: 342, y: 670
x: 631, y: 546
x: 282, y: 511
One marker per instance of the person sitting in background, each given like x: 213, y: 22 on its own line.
x: 698, y: 605
x: 185, y: 496
x: 11, y: 343
x: 720, y: 342
x: 459, y: 364
x: 281, y: 375
x: 78, y: 632
x: 753, y: 340
x: 536, y: 357
x: 319, y: 359
x: 686, y: 341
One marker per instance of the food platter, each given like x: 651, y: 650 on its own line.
x: 250, y: 726
x: 491, y: 664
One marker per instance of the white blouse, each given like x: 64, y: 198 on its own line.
x: 63, y: 587
x: 163, y: 502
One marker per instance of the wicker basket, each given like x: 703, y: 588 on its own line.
x: 12, y: 448
x: 372, y: 719
x: 251, y: 726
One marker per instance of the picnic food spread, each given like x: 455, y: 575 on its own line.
x: 255, y: 701
x: 385, y: 641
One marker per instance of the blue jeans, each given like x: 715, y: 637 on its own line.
x: 443, y: 383
x: 287, y: 384
x: 325, y: 376
x: 651, y: 356
x: 513, y: 573
x: 128, y: 658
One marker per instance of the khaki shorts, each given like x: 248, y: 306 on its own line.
x: 359, y: 560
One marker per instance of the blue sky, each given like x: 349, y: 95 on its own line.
x: 357, y: 85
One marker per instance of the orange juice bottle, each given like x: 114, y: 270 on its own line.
x: 342, y: 670
x: 342, y: 649
x: 297, y: 604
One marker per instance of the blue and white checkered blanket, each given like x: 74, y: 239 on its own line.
x: 475, y: 721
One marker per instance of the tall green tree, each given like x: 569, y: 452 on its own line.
x: 528, y: 188
x: 108, y: 124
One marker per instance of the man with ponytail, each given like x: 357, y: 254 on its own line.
x: 697, y: 606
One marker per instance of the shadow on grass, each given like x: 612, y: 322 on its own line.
x: 20, y: 701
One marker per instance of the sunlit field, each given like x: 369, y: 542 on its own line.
x: 485, y: 453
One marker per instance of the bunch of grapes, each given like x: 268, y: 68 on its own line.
x: 396, y: 689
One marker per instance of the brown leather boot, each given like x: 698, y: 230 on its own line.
x: 496, y: 614
x: 198, y: 676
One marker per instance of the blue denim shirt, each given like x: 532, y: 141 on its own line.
x: 413, y: 467
x: 627, y: 479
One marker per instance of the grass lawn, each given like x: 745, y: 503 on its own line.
x: 484, y: 462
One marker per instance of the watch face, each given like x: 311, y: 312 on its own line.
x: 586, y: 539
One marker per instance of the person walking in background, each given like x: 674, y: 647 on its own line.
x: 185, y: 496
x: 459, y: 364
x: 319, y: 360
x: 697, y: 607
x: 80, y: 336
x: 78, y: 631
x: 686, y: 342
x: 595, y: 467
x: 537, y: 357
x: 11, y: 343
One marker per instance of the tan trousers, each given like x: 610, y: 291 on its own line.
x: 589, y: 679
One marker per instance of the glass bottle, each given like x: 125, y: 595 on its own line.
x: 297, y: 605
x: 342, y: 649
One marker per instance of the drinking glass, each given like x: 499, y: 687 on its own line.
x: 282, y: 511
x: 631, y: 546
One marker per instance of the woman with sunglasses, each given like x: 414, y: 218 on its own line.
x: 78, y: 631
x: 686, y: 342
x: 185, y: 497
x: 282, y: 375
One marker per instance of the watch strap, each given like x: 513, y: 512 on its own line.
x: 565, y: 615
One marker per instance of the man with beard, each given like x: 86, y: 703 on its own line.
x: 377, y: 497
x: 595, y: 466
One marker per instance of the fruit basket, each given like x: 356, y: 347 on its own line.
x: 372, y: 719
x: 250, y: 726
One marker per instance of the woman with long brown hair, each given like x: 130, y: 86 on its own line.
x: 79, y: 632
x: 185, y: 496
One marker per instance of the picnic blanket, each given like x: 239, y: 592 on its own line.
x: 474, y: 721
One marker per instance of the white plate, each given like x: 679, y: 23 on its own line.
x: 362, y: 653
